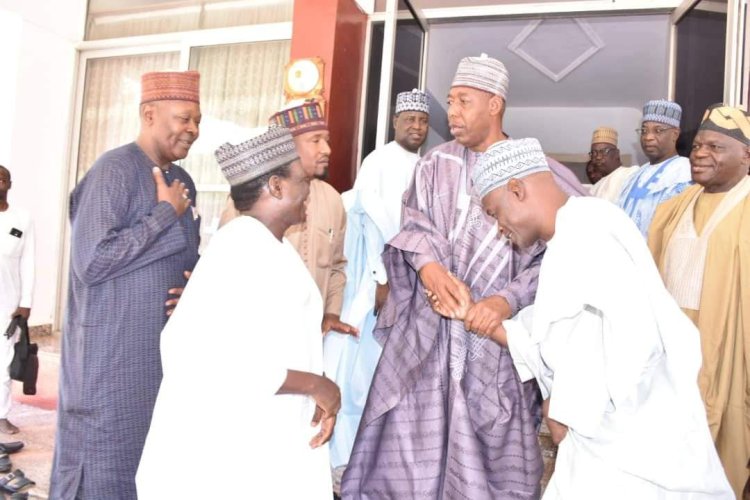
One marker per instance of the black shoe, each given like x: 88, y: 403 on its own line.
x: 5, y: 464
x: 11, y: 447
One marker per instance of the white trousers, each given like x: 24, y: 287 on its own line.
x: 6, y: 356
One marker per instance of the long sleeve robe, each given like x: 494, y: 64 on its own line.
x: 447, y: 416
x: 127, y: 250
x: 373, y: 209
x: 619, y: 361
x: 723, y: 319
x: 250, y: 313
x: 652, y: 184
x: 320, y: 242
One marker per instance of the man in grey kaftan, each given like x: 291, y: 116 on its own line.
x: 447, y: 416
x: 129, y: 245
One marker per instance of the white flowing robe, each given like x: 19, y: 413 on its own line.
x: 619, y: 361
x: 610, y: 187
x: 373, y: 209
x: 250, y: 312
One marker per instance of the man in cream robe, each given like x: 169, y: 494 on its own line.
x: 249, y: 315
x: 701, y: 243
x: 605, y: 157
x: 623, y: 383
x: 319, y: 239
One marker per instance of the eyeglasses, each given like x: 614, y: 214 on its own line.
x: 600, y: 152
x: 659, y: 131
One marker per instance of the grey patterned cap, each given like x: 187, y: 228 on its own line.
x: 506, y: 160
x: 661, y: 111
x: 483, y: 73
x: 249, y: 160
x: 416, y: 100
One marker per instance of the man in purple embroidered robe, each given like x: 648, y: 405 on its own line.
x: 447, y: 416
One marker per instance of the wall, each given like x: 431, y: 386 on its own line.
x: 553, y: 125
x: 605, y: 69
x: 335, y: 31
x: 43, y: 49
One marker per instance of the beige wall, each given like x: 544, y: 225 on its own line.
x: 39, y: 63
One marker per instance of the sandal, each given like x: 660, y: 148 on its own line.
x: 5, y: 464
x: 11, y: 447
x: 15, y: 481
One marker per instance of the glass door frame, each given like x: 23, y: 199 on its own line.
x: 737, y: 53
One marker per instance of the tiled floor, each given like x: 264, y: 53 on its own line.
x: 36, y: 417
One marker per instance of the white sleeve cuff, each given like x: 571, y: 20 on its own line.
x: 519, y: 345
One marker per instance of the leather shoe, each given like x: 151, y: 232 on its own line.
x: 5, y: 464
x: 11, y: 447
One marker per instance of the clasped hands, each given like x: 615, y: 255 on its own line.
x: 450, y: 297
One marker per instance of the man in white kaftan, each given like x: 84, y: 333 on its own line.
x: 249, y: 315
x: 16, y: 285
x: 612, y: 352
x: 373, y: 217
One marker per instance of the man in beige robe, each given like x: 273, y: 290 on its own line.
x: 701, y: 243
x: 320, y: 238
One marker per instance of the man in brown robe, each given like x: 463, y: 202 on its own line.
x: 701, y: 243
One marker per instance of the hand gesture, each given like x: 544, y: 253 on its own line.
x: 557, y: 430
x: 326, y: 429
x: 177, y: 292
x: 381, y: 293
x: 465, y: 301
x: 443, y: 289
x: 484, y: 317
x: 176, y: 194
x: 24, y: 312
x: 327, y: 398
x: 333, y: 322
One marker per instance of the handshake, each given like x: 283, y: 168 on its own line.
x: 451, y: 298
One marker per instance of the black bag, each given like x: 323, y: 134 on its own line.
x: 25, y: 364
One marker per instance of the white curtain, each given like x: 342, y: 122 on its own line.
x: 241, y: 87
x: 187, y: 15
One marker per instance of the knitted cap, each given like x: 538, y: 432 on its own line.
x: 606, y: 135
x: 733, y: 122
x: 306, y: 117
x: 249, y: 160
x: 170, y: 86
x: 506, y: 160
x: 661, y: 111
x: 483, y: 73
x: 416, y: 100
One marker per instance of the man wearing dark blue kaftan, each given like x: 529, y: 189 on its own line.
x: 135, y: 231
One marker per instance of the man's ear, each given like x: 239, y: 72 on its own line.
x: 274, y: 187
x: 496, y: 105
x: 148, y: 110
x: 395, y: 120
x: 517, y: 188
x: 676, y: 132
